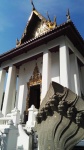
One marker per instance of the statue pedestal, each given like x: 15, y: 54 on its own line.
x: 31, y: 117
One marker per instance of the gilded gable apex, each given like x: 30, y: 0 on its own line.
x: 37, y: 25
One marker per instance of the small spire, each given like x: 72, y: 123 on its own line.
x: 48, y: 16
x: 32, y: 4
x: 68, y: 15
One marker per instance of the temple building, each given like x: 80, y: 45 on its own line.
x: 47, y: 61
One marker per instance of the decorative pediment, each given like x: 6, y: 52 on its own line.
x: 36, y: 26
x: 42, y: 29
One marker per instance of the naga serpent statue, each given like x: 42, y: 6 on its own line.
x: 60, y: 121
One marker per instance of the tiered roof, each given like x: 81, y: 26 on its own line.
x: 40, y: 31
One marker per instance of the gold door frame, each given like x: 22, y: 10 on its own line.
x: 35, y: 79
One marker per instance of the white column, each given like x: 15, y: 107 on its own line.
x: 2, y: 82
x: 82, y: 74
x: 64, y: 66
x: 46, y: 73
x: 76, y: 78
x: 10, y: 90
x: 74, y: 74
x: 21, y: 99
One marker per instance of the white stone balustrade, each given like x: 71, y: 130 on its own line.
x: 14, y: 116
x: 4, y: 120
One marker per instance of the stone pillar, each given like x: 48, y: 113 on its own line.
x: 2, y: 82
x: 10, y: 90
x: 46, y: 73
x: 64, y: 66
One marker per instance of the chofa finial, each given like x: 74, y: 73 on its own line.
x: 55, y: 21
x: 48, y: 16
x: 17, y: 41
x: 68, y: 15
x: 32, y: 4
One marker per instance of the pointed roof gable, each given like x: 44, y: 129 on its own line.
x: 36, y: 26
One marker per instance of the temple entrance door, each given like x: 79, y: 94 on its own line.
x: 34, y: 90
x: 34, y: 97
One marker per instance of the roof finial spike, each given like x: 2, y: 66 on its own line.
x: 55, y: 20
x: 68, y: 15
x: 32, y: 4
x: 17, y: 41
x: 48, y: 17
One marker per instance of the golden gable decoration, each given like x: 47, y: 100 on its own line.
x: 36, y: 78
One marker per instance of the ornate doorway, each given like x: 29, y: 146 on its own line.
x: 34, y: 89
x: 34, y: 98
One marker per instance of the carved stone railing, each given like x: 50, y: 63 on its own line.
x: 14, y: 116
x: 4, y: 120
x: 60, y: 121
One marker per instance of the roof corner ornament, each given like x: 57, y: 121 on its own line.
x: 48, y: 17
x: 68, y: 16
x: 32, y: 4
x: 55, y: 21
x: 17, y: 41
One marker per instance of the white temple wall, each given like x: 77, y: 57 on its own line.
x: 33, y: 52
x: 55, y: 71
x: 78, y: 55
x: 24, y: 56
x: 75, y: 50
x: 26, y: 69
x: 25, y: 72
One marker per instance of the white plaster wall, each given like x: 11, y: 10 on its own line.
x: 55, y: 71
x: 25, y: 72
x: 23, y: 141
x: 12, y: 138
x: 26, y: 69
x: 33, y: 52
x: 74, y: 49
